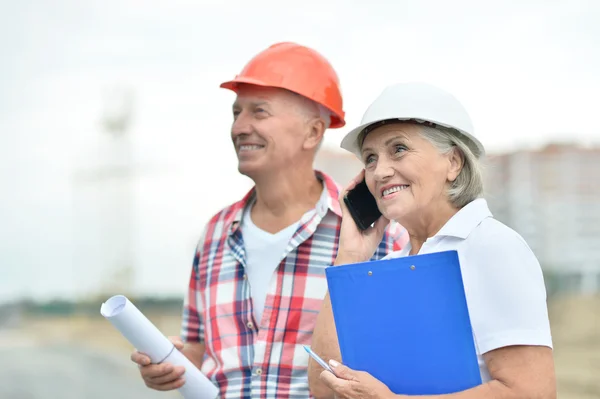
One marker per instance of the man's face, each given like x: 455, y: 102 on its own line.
x: 272, y: 129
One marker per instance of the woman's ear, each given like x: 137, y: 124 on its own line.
x: 456, y: 161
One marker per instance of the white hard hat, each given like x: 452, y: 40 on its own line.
x: 420, y: 102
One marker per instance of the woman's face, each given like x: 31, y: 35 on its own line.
x: 405, y: 172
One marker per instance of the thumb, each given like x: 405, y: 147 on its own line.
x: 177, y: 342
x: 341, y: 371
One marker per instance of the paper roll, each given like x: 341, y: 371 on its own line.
x: 146, y: 338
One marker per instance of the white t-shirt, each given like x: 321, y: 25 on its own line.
x: 264, y: 252
x: 503, y: 280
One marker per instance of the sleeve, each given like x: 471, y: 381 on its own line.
x: 192, y: 326
x: 506, y: 293
x: 394, y: 239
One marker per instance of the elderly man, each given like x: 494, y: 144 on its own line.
x: 258, y: 280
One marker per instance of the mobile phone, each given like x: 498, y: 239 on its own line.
x: 362, y: 206
x: 318, y: 359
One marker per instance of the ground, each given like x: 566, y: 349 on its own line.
x: 85, y: 357
x: 72, y: 358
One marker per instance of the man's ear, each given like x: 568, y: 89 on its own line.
x: 456, y: 160
x: 316, y: 130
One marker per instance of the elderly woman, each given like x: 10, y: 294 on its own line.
x: 421, y: 163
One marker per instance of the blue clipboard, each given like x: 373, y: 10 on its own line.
x: 406, y: 322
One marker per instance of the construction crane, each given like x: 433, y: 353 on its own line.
x: 111, y: 183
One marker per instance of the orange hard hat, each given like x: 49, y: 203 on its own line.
x: 299, y: 69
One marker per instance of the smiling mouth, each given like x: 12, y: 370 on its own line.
x: 394, y: 189
x: 250, y: 147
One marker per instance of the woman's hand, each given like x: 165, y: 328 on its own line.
x: 351, y: 384
x: 355, y: 245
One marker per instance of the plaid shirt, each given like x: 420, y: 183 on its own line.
x: 246, y: 359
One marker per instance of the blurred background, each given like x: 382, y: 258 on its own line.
x: 115, y: 150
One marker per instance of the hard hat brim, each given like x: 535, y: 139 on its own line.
x: 232, y: 84
x: 337, y: 121
x: 350, y: 140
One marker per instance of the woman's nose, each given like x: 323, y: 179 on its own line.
x: 383, y: 169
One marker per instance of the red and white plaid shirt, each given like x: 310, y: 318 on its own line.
x: 265, y: 359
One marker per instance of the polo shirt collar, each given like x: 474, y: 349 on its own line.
x: 460, y: 225
x: 466, y: 219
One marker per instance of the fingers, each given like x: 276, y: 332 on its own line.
x: 167, y: 387
x: 339, y: 386
x: 163, y: 377
x: 140, y: 358
x: 172, y: 384
x: 328, y: 378
x: 343, y: 372
x: 336, y: 384
x: 353, y: 183
x: 158, y: 372
x: 157, y: 375
x: 358, y: 178
x: 177, y: 342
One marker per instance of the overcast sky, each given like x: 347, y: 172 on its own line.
x: 527, y: 71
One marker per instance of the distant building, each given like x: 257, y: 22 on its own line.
x: 552, y: 198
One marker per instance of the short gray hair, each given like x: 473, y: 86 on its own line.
x: 468, y: 185
x: 311, y: 109
x: 325, y: 114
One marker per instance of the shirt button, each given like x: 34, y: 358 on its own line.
x: 258, y: 371
x: 250, y: 325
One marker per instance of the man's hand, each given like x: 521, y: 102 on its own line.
x: 162, y: 377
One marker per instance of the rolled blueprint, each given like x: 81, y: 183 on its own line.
x: 148, y: 339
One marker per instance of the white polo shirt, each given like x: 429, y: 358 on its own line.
x: 503, y: 281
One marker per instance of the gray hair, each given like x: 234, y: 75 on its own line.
x: 311, y: 109
x: 325, y: 114
x: 468, y: 185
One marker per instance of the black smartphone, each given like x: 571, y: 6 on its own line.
x: 362, y: 206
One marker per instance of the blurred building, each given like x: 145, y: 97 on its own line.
x: 552, y: 198
x: 104, y: 204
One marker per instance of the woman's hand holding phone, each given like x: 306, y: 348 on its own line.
x: 357, y: 245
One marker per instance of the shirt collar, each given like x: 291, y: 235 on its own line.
x: 328, y: 201
x: 460, y: 225
x: 466, y: 219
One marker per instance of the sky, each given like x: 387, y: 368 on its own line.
x: 525, y: 70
